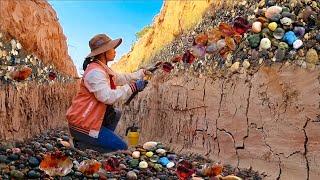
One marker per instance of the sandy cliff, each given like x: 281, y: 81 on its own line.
x: 35, y: 24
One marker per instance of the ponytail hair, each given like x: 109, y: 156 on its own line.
x: 89, y: 60
x: 86, y: 62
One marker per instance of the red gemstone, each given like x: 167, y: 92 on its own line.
x: 188, y: 57
x: 111, y: 164
x: 167, y: 67
x: 52, y: 76
x: 184, y: 170
x: 241, y: 25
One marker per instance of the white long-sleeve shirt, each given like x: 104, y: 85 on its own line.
x: 97, y: 82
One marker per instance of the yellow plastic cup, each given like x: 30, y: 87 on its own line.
x: 133, y: 138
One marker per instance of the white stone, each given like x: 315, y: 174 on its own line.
x: 143, y: 165
x: 256, y: 27
x: 286, y: 21
x: 235, y: 66
x: 136, y: 154
x: 265, y: 43
x: 161, y: 151
x: 149, y: 145
x: 19, y: 46
x: 246, y: 64
x: 297, y: 44
x: 170, y: 164
x: 13, y: 44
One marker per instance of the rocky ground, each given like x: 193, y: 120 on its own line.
x: 28, y: 159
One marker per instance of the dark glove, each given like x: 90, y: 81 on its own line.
x: 140, y: 85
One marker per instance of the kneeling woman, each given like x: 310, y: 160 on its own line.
x: 91, y: 117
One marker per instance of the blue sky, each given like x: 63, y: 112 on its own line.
x: 82, y: 19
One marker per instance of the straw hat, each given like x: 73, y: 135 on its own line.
x: 101, y: 43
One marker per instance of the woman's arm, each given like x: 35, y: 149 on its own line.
x: 126, y: 78
x: 98, y: 83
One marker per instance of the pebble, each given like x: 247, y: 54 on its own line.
x: 149, y: 145
x: 234, y: 67
x: 286, y: 21
x: 289, y: 37
x: 266, y: 33
x: 254, y: 40
x: 134, y: 163
x: 136, y: 154
x: 280, y: 54
x: 299, y: 31
x: 246, y: 64
x: 149, y: 154
x: 273, y: 10
x: 33, y: 162
x: 4, y: 159
x: 37, y: 145
x: 265, y: 43
x: 163, y: 161
x: 211, y: 48
x: 312, y: 56
x: 16, y: 150
x: 273, y: 26
x: 278, y: 33
x: 143, y: 165
x: 297, y: 44
x: 154, y: 158
x: 275, y: 17
x: 161, y: 151
x: 33, y: 174
x: 49, y: 146
x: 13, y: 157
x: 65, y: 144
x: 283, y: 45
x: 131, y: 175
x: 16, y: 174
x: 318, y: 37
x: 170, y: 165
x: 221, y: 44
x: 256, y: 27
x: 66, y: 138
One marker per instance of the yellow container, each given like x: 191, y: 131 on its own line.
x: 133, y: 138
x: 133, y: 133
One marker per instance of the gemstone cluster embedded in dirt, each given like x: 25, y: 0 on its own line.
x: 17, y: 67
x: 252, y: 34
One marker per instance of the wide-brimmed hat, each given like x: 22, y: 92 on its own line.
x: 101, y: 43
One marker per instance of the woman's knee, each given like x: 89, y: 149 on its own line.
x: 118, y: 114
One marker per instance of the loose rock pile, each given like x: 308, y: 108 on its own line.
x: 51, y: 154
x: 252, y: 34
x: 18, y: 68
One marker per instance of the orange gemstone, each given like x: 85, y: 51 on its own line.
x: 217, y: 169
x: 214, y: 35
x: 89, y: 167
x: 237, y: 38
x: 56, y: 164
x: 230, y: 43
x: 201, y: 39
x: 224, y: 52
x: 176, y: 59
x: 22, y: 74
x: 226, y: 29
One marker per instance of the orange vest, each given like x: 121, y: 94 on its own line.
x: 86, y: 113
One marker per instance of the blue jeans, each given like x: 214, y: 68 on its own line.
x: 107, y: 140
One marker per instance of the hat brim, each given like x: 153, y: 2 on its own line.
x: 112, y: 44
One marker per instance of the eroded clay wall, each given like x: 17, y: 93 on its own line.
x: 268, y: 121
